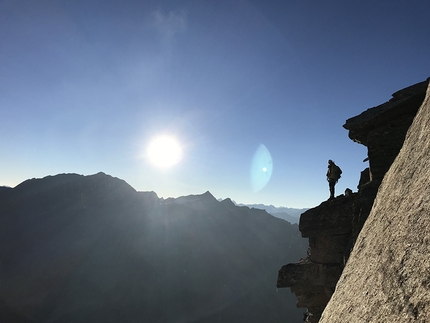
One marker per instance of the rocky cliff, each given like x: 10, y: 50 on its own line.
x: 333, y: 226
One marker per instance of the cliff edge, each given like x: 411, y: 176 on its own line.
x: 387, y: 277
x: 334, y: 226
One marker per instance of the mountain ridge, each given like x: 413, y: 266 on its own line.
x: 291, y: 215
x: 80, y: 248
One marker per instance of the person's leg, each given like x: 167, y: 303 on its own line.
x: 331, y: 185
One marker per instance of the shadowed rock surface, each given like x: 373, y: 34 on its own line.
x: 79, y: 248
x: 382, y: 129
x: 333, y: 226
x: 387, y: 278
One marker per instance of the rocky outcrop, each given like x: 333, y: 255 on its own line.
x: 333, y: 226
x: 382, y: 129
x: 313, y: 280
x: 387, y: 278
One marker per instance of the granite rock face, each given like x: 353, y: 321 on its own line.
x: 387, y: 278
x: 333, y: 226
x: 313, y: 280
x: 382, y: 129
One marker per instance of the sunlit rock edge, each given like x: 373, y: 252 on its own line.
x: 387, y: 277
x: 333, y: 226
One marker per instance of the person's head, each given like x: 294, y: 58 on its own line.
x: 330, y: 162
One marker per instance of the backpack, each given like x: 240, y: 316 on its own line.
x: 337, y: 171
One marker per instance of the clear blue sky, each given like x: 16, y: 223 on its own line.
x: 85, y: 85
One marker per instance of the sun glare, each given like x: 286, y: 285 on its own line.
x: 164, y: 151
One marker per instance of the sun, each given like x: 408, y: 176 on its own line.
x: 164, y: 151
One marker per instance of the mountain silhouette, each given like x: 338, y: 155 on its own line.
x: 92, y: 249
x: 291, y: 215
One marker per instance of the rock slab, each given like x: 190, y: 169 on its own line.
x: 387, y: 277
x: 333, y: 226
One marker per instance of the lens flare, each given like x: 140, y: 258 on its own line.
x: 261, y: 168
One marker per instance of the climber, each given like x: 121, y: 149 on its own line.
x: 333, y: 175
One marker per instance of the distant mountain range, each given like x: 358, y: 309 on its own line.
x: 289, y: 214
x: 83, y: 249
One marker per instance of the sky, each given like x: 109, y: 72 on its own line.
x: 255, y: 93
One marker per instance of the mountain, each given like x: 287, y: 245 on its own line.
x: 387, y: 277
x: 368, y: 256
x: 291, y: 215
x: 79, y: 248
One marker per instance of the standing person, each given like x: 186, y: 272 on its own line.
x: 333, y: 175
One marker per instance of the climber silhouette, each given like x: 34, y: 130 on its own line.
x: 333, y: 175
